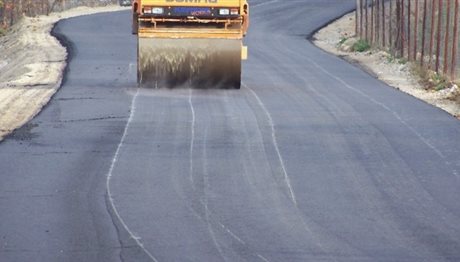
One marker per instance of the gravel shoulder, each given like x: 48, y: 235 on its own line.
x: 32, y: 64
x: 379, y: 63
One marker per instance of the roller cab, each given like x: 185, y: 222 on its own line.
x: 190, y: 43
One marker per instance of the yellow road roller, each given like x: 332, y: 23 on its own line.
x: 190, y: 43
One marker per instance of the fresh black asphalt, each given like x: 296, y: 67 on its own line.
x: 312, y: 160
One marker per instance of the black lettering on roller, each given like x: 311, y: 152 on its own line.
x: 193, y: 1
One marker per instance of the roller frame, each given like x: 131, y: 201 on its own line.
x: 225, y: 72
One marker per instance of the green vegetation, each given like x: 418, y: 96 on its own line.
x: 2, y: 32
x: 361, y: 46
x: 391, y: 58
x: 343, y: 39
x: 402, y: 61
x: 439, y: 82
x: 430, y: 79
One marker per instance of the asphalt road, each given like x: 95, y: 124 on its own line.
x: 312, y: 160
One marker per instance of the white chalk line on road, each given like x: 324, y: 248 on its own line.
x: 306, y: 227
x: 265, y: 3
x: 192, y: 134
x: 232, y: 234
x: 263, y: 258
x: 395, y: 114
x: 110, y: 174
x: 275, y: 143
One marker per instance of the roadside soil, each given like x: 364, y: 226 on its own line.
x: 32, y: 64
x: 338, y: 39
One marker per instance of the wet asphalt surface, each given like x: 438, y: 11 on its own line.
x: 312, y: 160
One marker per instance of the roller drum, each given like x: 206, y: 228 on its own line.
x: 189, y: 63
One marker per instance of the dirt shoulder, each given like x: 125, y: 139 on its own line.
x: 337, y: 38
x: 32, y: 64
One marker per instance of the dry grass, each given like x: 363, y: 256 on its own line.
x: 431, y: 80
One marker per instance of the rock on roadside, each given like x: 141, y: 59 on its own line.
x: 32, y: 64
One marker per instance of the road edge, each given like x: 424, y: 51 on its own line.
x: 35, y: 104
x: 438, y: 99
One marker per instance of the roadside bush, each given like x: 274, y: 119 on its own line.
x: 361, y: 46
x: 430, y: 79
x: 439, y: 82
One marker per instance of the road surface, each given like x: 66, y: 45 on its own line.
x: 312, y: 160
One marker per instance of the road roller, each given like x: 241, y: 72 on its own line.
x: 190, y: 43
